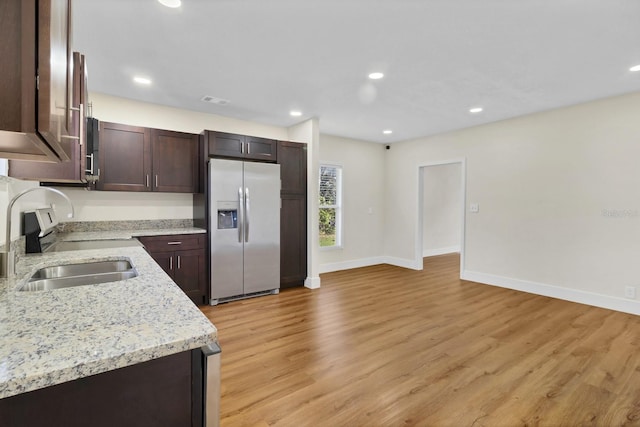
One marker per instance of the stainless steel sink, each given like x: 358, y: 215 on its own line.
x: 79, y: 245
x: 69, y: 275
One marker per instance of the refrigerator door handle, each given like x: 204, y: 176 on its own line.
x: 241, y: 212
x: 246, y: 214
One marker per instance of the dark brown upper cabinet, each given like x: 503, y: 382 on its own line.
x: 35, y: 80
x: 73, y: 170
x: 175, y: 161
x: 242, y: 147
x: 125, y: 158
x: 141, y: 159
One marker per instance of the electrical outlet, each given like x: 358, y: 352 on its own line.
x: 474, y: 208
x: 630, y: 292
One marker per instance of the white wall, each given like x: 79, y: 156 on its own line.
x: 120, y: 110
x: 309, y: 132
x: 442, y: 192
x: 363, y: 202
x: 558, y: 195
x: 119, y: 205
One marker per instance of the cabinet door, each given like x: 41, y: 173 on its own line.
x: 292, y: 157
x: 20, y: 26
x: 54, y: 73
x: 293, y: 241
x: 226, y: 144
x: 189, y: 273
x: 164, y: 260
x: 175, y: 161
x: 125, y: 158
x: 261, y: 149
x: 73, y: 170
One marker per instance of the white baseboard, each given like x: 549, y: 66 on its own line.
x: 574, y: 295
x: 366, y: 262
x: 312, y: 282
x: 403, y: 262
x: 440, y: 251
x: 347, y: 265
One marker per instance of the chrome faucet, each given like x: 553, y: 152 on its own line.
x: 8, y: 257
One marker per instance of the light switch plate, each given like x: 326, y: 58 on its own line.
x: 630, y: 292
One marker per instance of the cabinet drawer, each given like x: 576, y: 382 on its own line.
x: 177, y: 242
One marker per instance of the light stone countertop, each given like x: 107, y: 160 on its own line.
x: 50, y: 337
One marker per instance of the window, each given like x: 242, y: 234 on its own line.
x: 330, y: 206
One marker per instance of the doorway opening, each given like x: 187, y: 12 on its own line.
x: 441, y: 209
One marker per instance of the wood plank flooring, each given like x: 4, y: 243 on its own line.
x: 385, y: 346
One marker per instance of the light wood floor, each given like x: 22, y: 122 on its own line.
x: 384, y: 346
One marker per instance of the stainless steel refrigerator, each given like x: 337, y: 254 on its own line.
x: 244, y: 201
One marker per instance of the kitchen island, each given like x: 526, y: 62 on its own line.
x: 52, y: 337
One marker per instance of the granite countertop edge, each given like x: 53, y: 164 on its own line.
x: 126, y: 234
x: 51, y: 337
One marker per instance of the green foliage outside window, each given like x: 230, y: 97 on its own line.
x: 328, y: 205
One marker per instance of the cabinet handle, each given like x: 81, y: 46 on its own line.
x: 80, y: 110
x: 156, y: 181
x: 178, y: 262
x: 241, y: 216
x: 247, y: 209
x: 174, y: 243
x: 81, y: 135
x: 91, y: 165
x: 242, y: 148
x: 147, y: 180
x: 248, y: 148
x: 170, y: 263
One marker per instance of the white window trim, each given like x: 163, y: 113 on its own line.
x: 338, y: 207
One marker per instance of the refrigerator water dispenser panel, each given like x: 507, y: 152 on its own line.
x: 227, y: 215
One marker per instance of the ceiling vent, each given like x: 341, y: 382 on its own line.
x: 214, y: 100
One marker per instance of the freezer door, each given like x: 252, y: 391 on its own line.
x: 225, y: 225
x: 262, y: 227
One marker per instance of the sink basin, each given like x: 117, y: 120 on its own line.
x: 70, y: 275
x: 79, y: 245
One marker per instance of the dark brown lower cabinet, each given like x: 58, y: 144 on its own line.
x: 183, y: 258
x: 293, y: 242
x: 164, y: 392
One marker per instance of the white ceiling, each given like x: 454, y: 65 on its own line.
x: 440, y: 58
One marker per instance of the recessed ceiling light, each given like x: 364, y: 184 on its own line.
x: 475, y: 110
x: 387, y: 131
x: 142, y: 80
x: 171, y: 3
x: 296, y: 113
x: 376, y: 76
x: 635, y: 68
